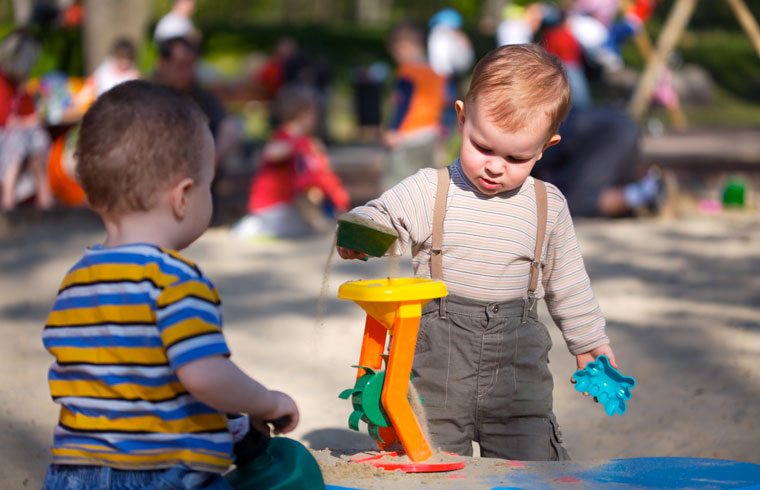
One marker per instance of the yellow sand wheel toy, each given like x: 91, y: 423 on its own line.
x: 393, y: 307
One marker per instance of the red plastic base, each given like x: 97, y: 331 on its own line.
x: 411, y: 467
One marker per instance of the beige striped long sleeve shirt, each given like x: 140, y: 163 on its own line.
x: 488, y: 244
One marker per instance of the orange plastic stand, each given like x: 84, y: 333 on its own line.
x: 394, y: 307
x: 65, y: 189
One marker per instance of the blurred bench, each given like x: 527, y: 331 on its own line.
x: 698, y: 162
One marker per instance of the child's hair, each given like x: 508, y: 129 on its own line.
x: 123, y: 48
x: 410, y: 32
x: 517, y: 80
x: 133, y: 141
x: 166, y: 48
x: 292, y: 101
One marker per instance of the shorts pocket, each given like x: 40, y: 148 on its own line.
x: 423, y: 343
x: 542, y: 332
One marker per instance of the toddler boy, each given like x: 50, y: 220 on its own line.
x: 142, y: 370
x: 481, y: 357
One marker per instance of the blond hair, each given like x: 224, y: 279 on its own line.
x: 516, y: 81
x: 134, y: 141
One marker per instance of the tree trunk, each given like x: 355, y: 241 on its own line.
x: 105, y: 21
x: 22, y: 12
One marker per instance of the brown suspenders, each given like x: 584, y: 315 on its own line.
x: 439, y: 210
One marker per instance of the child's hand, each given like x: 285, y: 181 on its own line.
x: 392, y: 139
x: 583, y: 359
x: 349, y: 254
x: 315, y: 195
x: 284, y: 418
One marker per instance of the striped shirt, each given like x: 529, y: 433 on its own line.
x: 488, y: 245
x: 124, y: 320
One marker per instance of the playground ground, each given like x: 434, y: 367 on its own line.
x: 682, y: 300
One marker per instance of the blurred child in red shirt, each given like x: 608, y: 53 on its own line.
x: 294, y: 192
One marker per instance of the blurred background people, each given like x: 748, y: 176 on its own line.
x: 451, y: 55
x: 596, y: 164
x: 117, y: 68
x: 177, y: 68
x: 177, y: 23
x: 519, y: 23
x: 307, y: 68
x: 417, y: 102
x: 270, y: 76
x: 24, y: 143
x: 294, y: 192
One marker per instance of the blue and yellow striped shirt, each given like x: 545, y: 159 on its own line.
x: 124, y: 320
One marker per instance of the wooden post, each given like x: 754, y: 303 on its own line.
x: 676, y: 114
x: 674, y: 26
x: 747, y: 21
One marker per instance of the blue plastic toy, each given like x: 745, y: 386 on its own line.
x: 605, y: 383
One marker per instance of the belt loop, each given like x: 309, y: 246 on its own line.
x: 442, y: 308
x: 106, y: 477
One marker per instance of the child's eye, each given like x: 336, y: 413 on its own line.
x: 481, y: 149
x: 517, y: 160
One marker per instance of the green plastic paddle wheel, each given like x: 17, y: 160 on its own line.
x: 365, y: 397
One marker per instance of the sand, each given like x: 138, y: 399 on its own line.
x: 682, y: 299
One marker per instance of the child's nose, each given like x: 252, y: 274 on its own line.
x: 494, y: 166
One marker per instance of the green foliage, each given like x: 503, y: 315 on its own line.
x: 710, y: 14
x: 730, y: 58
x: 343, y: 44
x: 727, y: 111
x: 61, y: 51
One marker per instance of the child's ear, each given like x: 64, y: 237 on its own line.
x: 459, y: 106
x: 551, y: 142
x: 178, y: 197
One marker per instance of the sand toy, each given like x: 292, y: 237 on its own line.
x: 380, y: 398
x: 605, y: 383
x: 363, y: 235
x: 274, y: 463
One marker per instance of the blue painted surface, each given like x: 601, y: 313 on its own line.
x: 638, y: 473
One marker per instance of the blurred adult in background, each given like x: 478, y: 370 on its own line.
x: 596, y: 163
x: 177, y: 23
x: 177, y: 68
x: 24, y: 142
x: 451, y: 55
x: 519, y: 23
